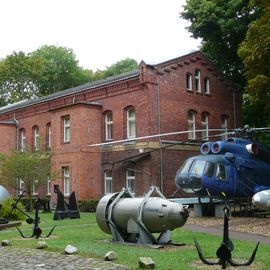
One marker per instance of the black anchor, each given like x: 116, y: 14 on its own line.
x: 36, y: 230
x: 224, y: 252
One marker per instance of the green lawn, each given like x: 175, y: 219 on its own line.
x: 92, y: 242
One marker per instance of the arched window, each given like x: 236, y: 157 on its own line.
x: 130, y: 180
x: 108, y: 181
x: 189, y: 81
x: 22, y: 140
x: 108, y: 126
x: 204, y: 126
x: 191, y: 125
x: 198, y: 80
x: 131, y: 123
x: 48, y: 136
x: 36, y: 138
x: 206, y: 85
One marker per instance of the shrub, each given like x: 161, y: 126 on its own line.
x: 88, y: 205
x: 6, y: 208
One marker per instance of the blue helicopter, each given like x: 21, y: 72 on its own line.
x: 234, y: 168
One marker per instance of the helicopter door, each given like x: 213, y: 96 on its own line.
x: 221, y: 179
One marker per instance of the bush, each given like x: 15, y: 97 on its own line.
x: 6, y: 208
x: 88, y: 205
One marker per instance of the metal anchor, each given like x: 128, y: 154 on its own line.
x: 224, y: 252
x: 36, y: 230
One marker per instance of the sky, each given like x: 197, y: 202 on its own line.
x: 100, y: 32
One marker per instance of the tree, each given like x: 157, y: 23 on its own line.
x: 47, y: 70
x: 222, y: 26
x: 120, y: 67
x: 255, y: 53
x: 61, y: 69
x: 30, y: 168
x: 19, y: 76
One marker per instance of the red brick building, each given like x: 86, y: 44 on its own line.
x: 186, y: 93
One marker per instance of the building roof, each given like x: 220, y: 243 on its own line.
x: 69, y: 91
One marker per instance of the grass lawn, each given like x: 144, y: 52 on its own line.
x: 85, y: 234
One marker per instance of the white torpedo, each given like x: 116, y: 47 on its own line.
x: 262, y: 199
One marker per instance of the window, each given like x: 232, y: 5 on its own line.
x: 36, y: 138
x: 191, y: 125
x: 198, y: 167
x: 198, y: 80
x: 21, y: 186
x: 130, y: 180
x: 48, y: 185
x: 221, y: 171
x: 209, y: 169
x: 205, y: 126
x: 189, y: 81
x: 206, y: 86
x: 23, y: 139
x: 66, y: 181
x: 35, y: 184
x: 131, y: 124
x: 108, y: 126
x: 66, y: 129
x: 224, y: 125
x: 49, y: 135
x: 108, y: 181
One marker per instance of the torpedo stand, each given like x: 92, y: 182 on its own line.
x: 224, y: 252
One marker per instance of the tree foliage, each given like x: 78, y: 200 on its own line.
x: 120, y: 67
x: 60, y: 69
x: 31, y: 168
x: 19, y: 76
x: 48, y: 70
x: 222, y: 26
x: 255, y: 53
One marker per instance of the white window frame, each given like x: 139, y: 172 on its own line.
x: 66, y: 180
x: 23, y: 140
x: 205, y: 128
x: 108, y: 126
x: 191, y: 125
x: 131, y: 180
x: 131, y: 123
x: 108, y: 181
x: 198, y: 80
x: 48, y: 185
x: 34, y: 187
x: 49, y: 130
x: 66, y: 129
x: 189, y: 81
x: 207, y: 85
x: 21, y: 186
x: 224, y: 125
x: 36, y: 138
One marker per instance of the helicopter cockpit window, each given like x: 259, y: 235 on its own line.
x: 209, y: 169
x: 185, y: 167
x: 221, y: 171
x: 198, y: 167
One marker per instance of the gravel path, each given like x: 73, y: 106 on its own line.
x: 14, y: 258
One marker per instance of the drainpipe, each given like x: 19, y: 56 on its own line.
x: 234, y: 110
x: 159, y: 132
x: 17, y: 146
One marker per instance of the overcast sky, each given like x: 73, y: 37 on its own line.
x: 100, y: 32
